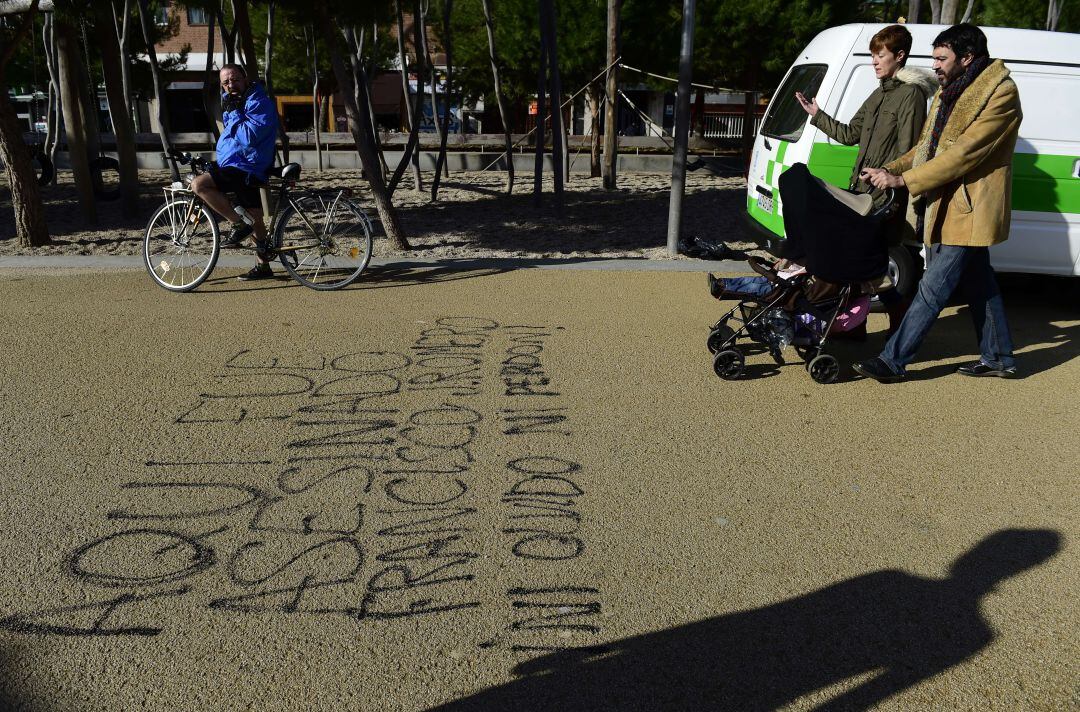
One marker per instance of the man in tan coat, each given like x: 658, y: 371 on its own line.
x: 960, y: 178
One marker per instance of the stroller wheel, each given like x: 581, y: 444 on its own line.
x: 728, y: 364
x: 824, y: 368
x: 718, y: 336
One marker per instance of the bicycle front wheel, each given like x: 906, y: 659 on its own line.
x: 326, y: 244
x: 181, y: 245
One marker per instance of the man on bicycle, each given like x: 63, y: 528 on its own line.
x: 245, y: 152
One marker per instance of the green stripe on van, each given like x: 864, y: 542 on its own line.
x: 1041, y: 182
x: 1044, y: 183
x: 832, y: 163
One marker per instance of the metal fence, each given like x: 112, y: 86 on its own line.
x: 727, y: 125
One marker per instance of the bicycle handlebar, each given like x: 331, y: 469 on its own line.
x: 199, y: 163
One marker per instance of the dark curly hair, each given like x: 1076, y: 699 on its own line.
x: 963, y: 39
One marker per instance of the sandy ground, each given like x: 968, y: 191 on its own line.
x: 472, y: 218
x: 519, y: 490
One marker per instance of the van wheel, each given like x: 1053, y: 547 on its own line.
x: 905, y: 268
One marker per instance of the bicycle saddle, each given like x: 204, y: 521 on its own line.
x: 290, y: 171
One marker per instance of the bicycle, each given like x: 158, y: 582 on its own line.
x: 322, y: 238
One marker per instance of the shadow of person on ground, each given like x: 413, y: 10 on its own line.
x: 13, y: 698
x: 880, y: 633
x: 1044, y: 318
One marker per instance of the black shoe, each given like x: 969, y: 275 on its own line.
x: 716, y: 287
x: 979, y: 369
x: 257, y: 272
x: 878, y: 370
x: 240, y: 232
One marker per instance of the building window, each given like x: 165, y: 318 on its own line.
x: 197, y: 16
x: 161, y: 15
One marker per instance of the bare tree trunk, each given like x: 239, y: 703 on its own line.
x: 89, y: 99
x: 433, y: 75
x: 967, y: 11
x: 361, y: 130
x: 121, y: 26
x: 592, y: 96
x: 316, y: 114
x: 67, y: 50
x: 611, y: 140
x: 211, y: 91
x: 123, y: 129
x: 411, y: 147
x: 558, y: 135
x: 242, y: 33
x: 159, y: 91
x: 948, y: 11
x: 228, y: 37
x: 268, y: 59
x: 364, y: 72
x: 913, y: 11
x: 935, y: 12
x: 499, y: 99
x: 30, y: 227
x: 268, y: 49
x: 52, y: 118
x: 1053, y: 14
x: 410, y: 114
x: 440, y: 162
x: 541, y: 88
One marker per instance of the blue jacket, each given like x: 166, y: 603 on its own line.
x: 250, y: 134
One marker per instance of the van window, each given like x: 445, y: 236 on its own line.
x: 786, y: 119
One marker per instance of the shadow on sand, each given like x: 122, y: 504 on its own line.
x: 878, y: 634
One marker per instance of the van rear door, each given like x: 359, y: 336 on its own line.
x: 778, y: 145
x: 1045, y: 234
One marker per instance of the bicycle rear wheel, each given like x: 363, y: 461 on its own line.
x: 181, y: 245
x: 327, y: 245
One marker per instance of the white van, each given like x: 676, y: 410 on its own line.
x: 835, y: 68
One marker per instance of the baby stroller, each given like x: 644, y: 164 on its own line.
x: 837, y: 235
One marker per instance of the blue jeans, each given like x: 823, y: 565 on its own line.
x: 949, y: 267
x: 756, y: 286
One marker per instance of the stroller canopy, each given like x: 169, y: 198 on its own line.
x: 835, y: 238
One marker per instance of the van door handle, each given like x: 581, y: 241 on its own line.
x: 768, y: 146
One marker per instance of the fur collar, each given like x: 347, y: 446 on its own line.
x: 924, y: 79
x: 967, y: 109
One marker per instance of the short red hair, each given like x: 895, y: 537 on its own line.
x: 893, y: 38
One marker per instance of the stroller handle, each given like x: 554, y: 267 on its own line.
x: 888, y: 206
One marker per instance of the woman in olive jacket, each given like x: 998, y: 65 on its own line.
x: 885, y: 127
